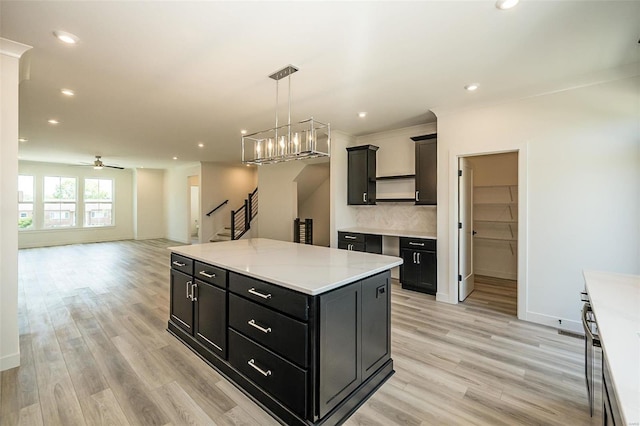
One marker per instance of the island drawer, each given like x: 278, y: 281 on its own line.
x: 210, y: 274
x: 277, y: 376
x: 279, y: 333
x: 417, y: 243
x: 284, y: 300
x: 182, y: 264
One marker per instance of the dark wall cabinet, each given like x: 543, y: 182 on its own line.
x: 419, y: 270
x: 426, y: 169
x: 356, y: 241
x: 199, y: 307
x: 307, y: 359
x: 361, y: 181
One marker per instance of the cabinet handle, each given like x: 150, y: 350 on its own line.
x: 194, y: 296
x: 253, y: 291
x: 253, y: 324
x: 414, y: 257
x: 187, y: 284
x: 418, y: 258
x: 417, y: 195
x: 364, y: 197
x: 179, y: 264
x: 349, y: 237
x: 350, y: 247
x: 252, y: 363
x: 411, y: 243
x: 203, y: 273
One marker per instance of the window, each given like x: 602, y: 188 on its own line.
x: 25, y: 202
x: 59, y: 202
x: 98, y: 202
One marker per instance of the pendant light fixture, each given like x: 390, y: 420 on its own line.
x: 306, y: 139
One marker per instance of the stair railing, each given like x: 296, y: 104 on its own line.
x: 241, y: 218
x: 219, y: 205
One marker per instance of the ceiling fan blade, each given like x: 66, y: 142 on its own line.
x: 114, y: 167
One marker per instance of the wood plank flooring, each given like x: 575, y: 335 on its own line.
x: 493, y: 295
x: 94, y: 351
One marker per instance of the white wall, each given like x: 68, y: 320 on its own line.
x: 10, y: 53
x: 149, y: 205
x: 221, y: 182
x: 278, y: 199
x: 579, y: 198
x: 340, y: 215
x: 122, y: 214
x: 177, y: 203
x: 316, y: 207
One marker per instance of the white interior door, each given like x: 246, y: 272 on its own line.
x: 465, y: 232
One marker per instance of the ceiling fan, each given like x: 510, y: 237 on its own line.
x: 98, y: 164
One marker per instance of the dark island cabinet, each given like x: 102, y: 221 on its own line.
x: 419, y: 270
x: 361, y: 181
x: 198, y: 307
x: 306, y: 359
x: 426, y: 169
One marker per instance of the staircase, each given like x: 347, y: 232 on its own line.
x: 240, y: 220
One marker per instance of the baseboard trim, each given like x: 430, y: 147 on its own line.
x: 555, y: 322
x: 8, y: 362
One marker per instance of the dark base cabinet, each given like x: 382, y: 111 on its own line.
x: 419, y: 270
x: 307, y: 360
x: 356, y: 241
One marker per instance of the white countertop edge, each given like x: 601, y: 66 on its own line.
x: 619, y: 332
x: 392, y: 262
x: 390, y: 232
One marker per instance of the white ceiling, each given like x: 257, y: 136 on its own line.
x: 152, y: 79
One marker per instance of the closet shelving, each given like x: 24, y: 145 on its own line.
x: 496, y: 214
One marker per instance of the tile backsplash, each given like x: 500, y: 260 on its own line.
x: 401, y: 216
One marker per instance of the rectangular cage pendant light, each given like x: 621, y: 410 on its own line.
x: 306, y: 139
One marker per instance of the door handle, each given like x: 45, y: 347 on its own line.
x: 418, y: 258
x: 364, y: 197
x: 414, y: 257
x: 194, y: 295
x: 189, y: 294
x: 417, y: 195
x: 474, y: 232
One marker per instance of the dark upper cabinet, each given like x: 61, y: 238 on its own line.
x: 426, y: 169
x: 361, y: 182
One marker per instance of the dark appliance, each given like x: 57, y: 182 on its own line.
x: 591, y: 341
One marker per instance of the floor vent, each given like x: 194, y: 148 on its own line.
x: 571, y: 334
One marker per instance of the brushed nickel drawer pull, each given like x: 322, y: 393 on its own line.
x: 194, y: 296
x: 179, y: 264
x: 204, y: 274
x: 350, y: 237
x: 189, y: 295
x: 411, y: 243
x: 417, y: 195
x: 253, y: 291
x: 253, y: 324
x: 252, y: 363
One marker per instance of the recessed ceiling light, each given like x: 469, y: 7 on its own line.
x: 66, y: 37
x: 243, y: 132
x: 22, y: 139
x: 362, y: 114
x: 175, y: 158
x: 200, y: 145
x: 52, y: 121
x: 472, y: 87
x: 67, y: 92
x: 506, y: 4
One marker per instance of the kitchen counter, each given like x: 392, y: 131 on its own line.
x: 615, y: 300
x: 390, y: 232
x: 308, y: 269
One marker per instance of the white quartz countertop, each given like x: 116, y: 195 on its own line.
x: 615, y: 300
x: 391, y: 232
x: 305, y: 268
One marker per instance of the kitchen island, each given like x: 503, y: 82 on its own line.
x: 303, y: 330
x: 615, y: 300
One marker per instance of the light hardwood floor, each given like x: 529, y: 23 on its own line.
x: 94, y: 350
x: 493, y: 295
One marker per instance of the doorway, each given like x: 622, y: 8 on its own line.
x: 488, y: 232
x: 194, y: 209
